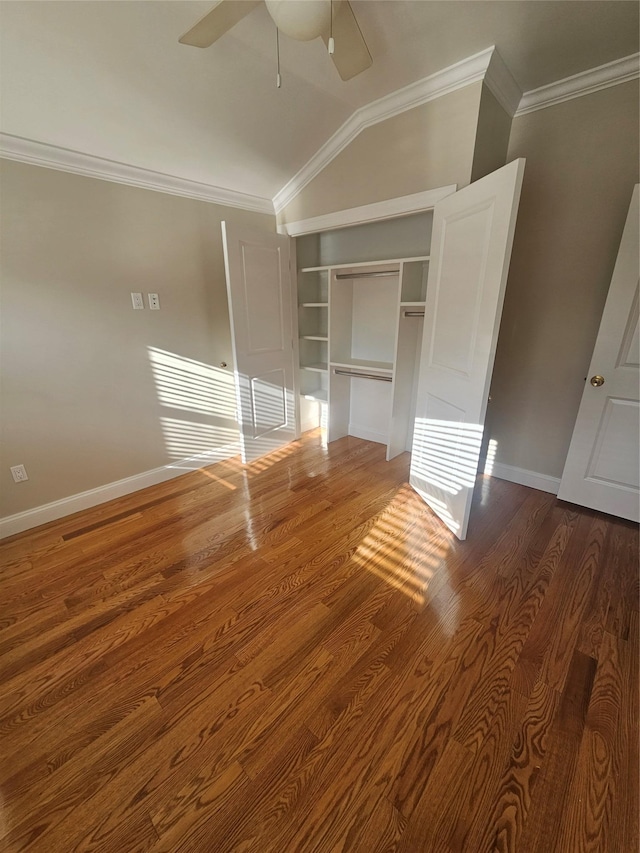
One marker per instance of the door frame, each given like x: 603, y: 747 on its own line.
x: 392, y: 208
x: 378, y: 211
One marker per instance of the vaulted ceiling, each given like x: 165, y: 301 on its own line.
x: 110, y: 79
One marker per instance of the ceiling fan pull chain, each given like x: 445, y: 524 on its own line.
x: 278, y: 78
x: 331, y: 44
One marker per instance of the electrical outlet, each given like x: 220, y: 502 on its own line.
x: 19, y: 473
x: 154, y: 301
x: 137, y: 301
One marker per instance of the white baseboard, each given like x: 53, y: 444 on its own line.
x: 368, y: 434
x: 310, y: 423
x: 543, y: 482
x: 21, y: 521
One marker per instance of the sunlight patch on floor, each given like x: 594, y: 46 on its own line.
x: 400, y: 549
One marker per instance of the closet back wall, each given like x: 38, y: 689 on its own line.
x: 93, y: 391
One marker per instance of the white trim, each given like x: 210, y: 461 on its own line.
x: 470, y: 70
x: 392, y: 207
x: 543, y: 482
x: 309, y: 424
x: 13, y: 524
x: 66, y: 160
x: 611, y: 74
x: 368, y: 434
x: 487, y: 66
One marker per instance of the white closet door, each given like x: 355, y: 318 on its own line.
x: 470, y: 251
x: 259, y: 288
x: 602, y: 470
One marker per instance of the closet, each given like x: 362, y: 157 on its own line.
x: 397, y: 327
x: 360, y: 324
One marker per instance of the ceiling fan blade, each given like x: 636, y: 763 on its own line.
x: 351, y: 52
x: 224, y: 15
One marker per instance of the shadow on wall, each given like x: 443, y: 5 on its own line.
x: 201, y: 424
x: 203, y: 400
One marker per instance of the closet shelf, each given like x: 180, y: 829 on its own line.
x: 318, y: 396
x: 387, y: 261
x: 361, y: 307
x: 384, y: 273
x: 382, y: 367
x: 320, y: 367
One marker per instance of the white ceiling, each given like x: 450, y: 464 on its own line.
x: 110, y: 79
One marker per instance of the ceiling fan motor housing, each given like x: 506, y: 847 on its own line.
x: 302, y: 19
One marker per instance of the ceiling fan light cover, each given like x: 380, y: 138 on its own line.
x: 302, y: 19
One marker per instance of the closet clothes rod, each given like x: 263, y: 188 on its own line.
x: 362, y: 375
x: 378, y: 274
x: 413, y: 313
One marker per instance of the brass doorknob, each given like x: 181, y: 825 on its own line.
x: 597, y: 381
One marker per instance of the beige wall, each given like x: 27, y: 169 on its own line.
x: 582, y: 164
x: 82, y: 404
x: 426, y: 147
x: 492, y: 136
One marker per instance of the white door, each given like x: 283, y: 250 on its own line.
x: 257, y: 266
x: 602, y: 470
x: 470, y: 251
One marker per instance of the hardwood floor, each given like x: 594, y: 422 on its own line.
x: 296, y: 656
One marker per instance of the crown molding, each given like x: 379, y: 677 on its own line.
x: 66, y: 160
x: 470, y: 70
x: 585, y: 83
x: 485, y: 66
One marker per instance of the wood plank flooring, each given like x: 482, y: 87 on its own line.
x: 296, y: 656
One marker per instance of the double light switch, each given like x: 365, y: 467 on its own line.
x: 138, y: 302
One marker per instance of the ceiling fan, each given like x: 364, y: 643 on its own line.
x: 332, y: 20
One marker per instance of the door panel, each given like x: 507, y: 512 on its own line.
x: 602, y: 470
x: 461, y: 278
x: 471, y: 247
x: 616, y: 455
x: 269, y: 401
x: 630, y: 347
x: 262, y: 302
x: 257, y: 266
